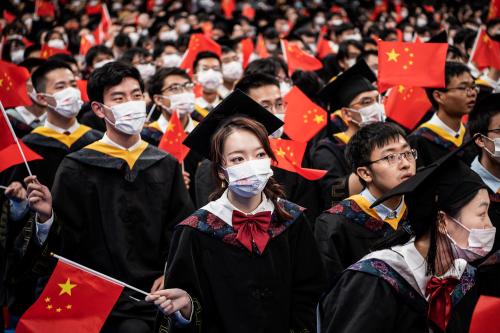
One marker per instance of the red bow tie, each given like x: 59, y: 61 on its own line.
x: 252, y: 229
x: 440, y: 300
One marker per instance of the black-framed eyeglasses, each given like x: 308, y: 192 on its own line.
x: 178, y: 88
x: 392, y: 159
x: 465, y: 89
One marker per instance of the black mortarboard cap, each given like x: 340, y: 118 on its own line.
x: 436, y: 187
x: 488, y: 102
x: 342, y: 89
x: 236, y: 104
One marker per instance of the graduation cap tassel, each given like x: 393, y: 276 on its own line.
x: 15, y: 138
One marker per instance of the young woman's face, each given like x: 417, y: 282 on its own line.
x: 242, y: 146
x: 474, y: 215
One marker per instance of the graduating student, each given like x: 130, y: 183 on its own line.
x: 172, y: 91
x: 264, y: 89
x: 116, y: 201
x: 382, y: 158
x: 353, y: 94
x: 444, y: 132
x: 422, y: 281
x: 61, y: 134
x: 208, y: 73
x: 247, y: 261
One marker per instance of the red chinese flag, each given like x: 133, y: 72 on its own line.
x: 299, y: 59
x: 13, y: 85
x: 85, y: 45
x: 228, y: 7
x: 8, y: 16
x: 247, y: 49
x: 486, y: 52
x: 323, y: 48
x: 289, y: 155
x: 485, y: 316
x: 303, y: 118
x: 9, y: 151
x: 248, y: 11
x: 261, y: 49
x: 101, y: 33
x: 82, y: 86
x: 47, y: 51
x: 44, y: 8
x: 411, y: 64
x: 73, y: 301
x: 171, y: 142
x: 407, y: 105
x: 494, y: 11
x: 198, y: 43
x: 93, y: 9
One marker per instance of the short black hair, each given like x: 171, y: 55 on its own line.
x: 455, y: 52
x: 253, y: 81
x: 343, y: 51
x: 376, y: 135
x: 479, y: 119
x: 94, y: 51
x: 128, y: 56
x: 122, y: 40
x: 310, y: 83
x: 110, y: 75
x: 205, y: 55
x: 160, y: 47
x: 32, y: 63
x: 270, y: 66
x: 451, y: 69
x: 69, y: 59
x: 39, y: 76
x: 155, y: 84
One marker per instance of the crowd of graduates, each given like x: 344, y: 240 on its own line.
x: 242, y: 163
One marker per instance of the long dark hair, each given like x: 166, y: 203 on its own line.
x: 273, y: 190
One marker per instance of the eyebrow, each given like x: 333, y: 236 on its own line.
x: 242, y: 152
x: 405, y: 145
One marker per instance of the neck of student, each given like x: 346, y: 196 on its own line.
x: 442, y: 261
x: 351, y: 130
x: 229, y: 85
x: 122, y: 139
x: 37, y: 110
x: 452, y: 121
x: 490, y: 164
x: 210, y: 97
x: 245, y: 205
x: 392, y: 203
x: 57, y: 120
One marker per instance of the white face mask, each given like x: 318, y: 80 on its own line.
x: 319, y: 20
x: 102, y: 63
x: 232, y: 71
x: 421, y: 22
x: 184, y: 28
x: 285, y: 87
x: 407, y: 36
x: 17, y: 56
x: 171, y: 60
x: 271, y: 47
x: 146, y: 70
x: 168, y: 35
x: 350, y: 62
x: 356, y: 36
x: 279, y: 132
x: 249, y: 178
x: 129, y: 116
x: 56, y: 43
x: 480, y: 242
x: 424, y: 39
x: 182, y: 103
x: 210, y: 80
x: 496, y: 142
x: 370, y: 114
x: 134, y: 37
x: 337, y: 22
x: 68, y: 102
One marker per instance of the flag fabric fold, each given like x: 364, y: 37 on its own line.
x: 13, y: 85
x: 406, y: 105
x: 486, y: 51
x: 299, y: 59
x: 172, y: 139
x: 198, y: 43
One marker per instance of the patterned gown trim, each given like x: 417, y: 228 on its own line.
x: 435, y: 138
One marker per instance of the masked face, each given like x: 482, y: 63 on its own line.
x: 407, y: 36
x: 129, y: 116
x: 56, y: 43
x: 102, y: 63
x: 232, y: 71
x: 285, y: 87
x: 17, y: 56
x: 350, y: 62
x: 146, y: 70
x: 496, y: 151
x: 183, y: 103
x: 249, y: 178
x: 168, y: 36
x: 370, y: 114
x: 210, y: 79
x: 171, y: 60
x: 134, y: 37
x: 68, y: 102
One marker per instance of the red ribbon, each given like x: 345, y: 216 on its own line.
x: 252, y: 229
x: 440, y: 300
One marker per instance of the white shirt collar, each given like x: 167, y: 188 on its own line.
x: 105, y: 139
x: 163, y: 124
x: 71, y: 129
x: 201, y: 102
x: 29, y: 117
x: 488, y: 178
x: 223, y: 208
x: 439, y: 123
x: 382, y: 211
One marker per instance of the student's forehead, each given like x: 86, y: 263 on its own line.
x: 208, y: 62
x: 127, y: 85
x: 171, y: 79
x: 60, y: 74
x: 263, y: 93
x: 464, y: 77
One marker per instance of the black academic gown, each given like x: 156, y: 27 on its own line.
x: 297, y: 189
x: 53, y: 147
x: 372, y: 296
x: 329, y: 155
x: 234, y: 290
x: 116, y: 214
x: 346, y: 232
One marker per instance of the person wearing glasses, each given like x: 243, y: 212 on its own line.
x: 382, y: 159
x: 444, y: 132
x: 172, y: 90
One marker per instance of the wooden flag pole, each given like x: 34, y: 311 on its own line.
x: 15, y: 138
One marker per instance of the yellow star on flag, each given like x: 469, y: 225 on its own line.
x: 281, y: 152
x: 66, y: 287
x: 170, y: 127
x: 393, y: 55
x: 319, y: 119
x: 401, y: 89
